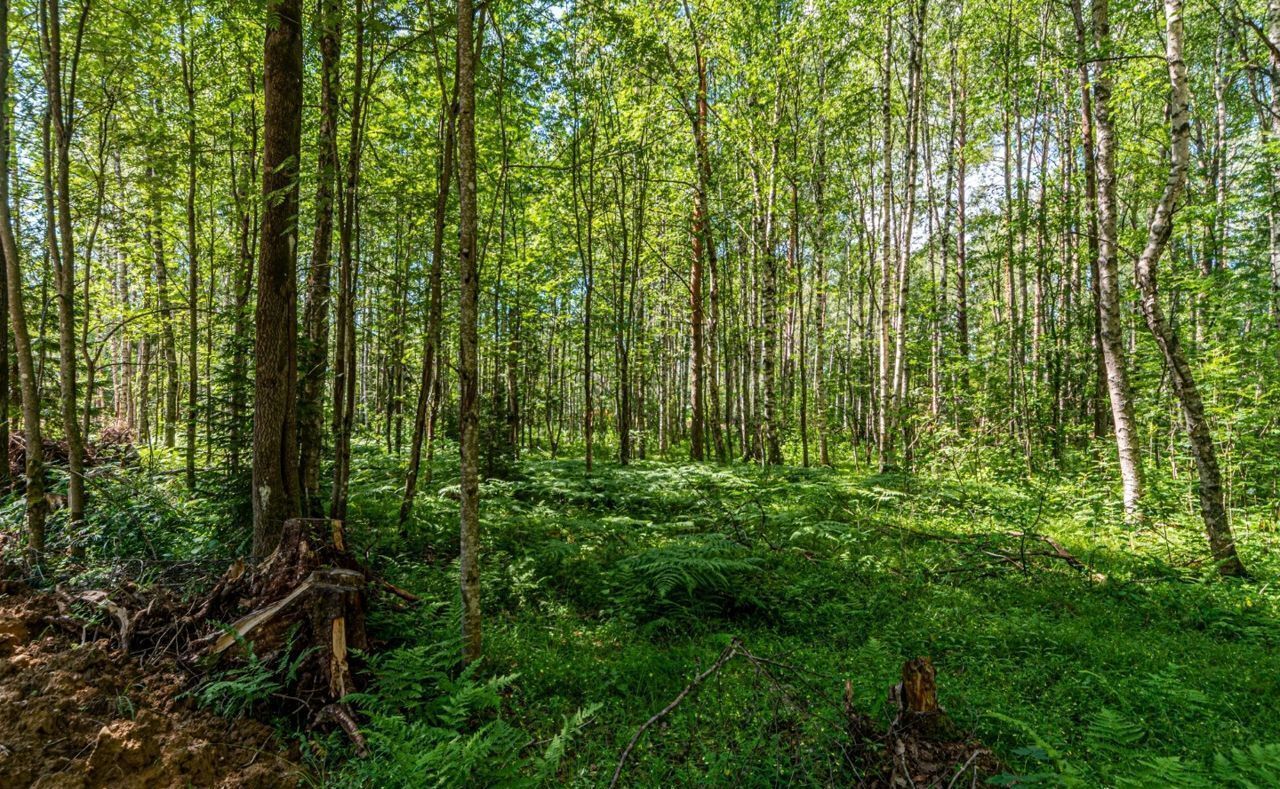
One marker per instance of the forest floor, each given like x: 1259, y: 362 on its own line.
x: 78, y: 713
x: 1078, y: 650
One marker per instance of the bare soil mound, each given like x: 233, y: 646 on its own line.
x: 79, y: 713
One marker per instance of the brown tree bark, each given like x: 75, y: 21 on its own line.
x: 168, y: 341
x: 427, y: 402
x: 37, y: 506
x: 314, y: 353
x: 1098, y: 406
x: 344, y: 358
x: 468, y: 374
x: 187, y: 56
x: 276, y: 495
x: 61, y: 109
x: 706, y: 265
x: 246, y: 238
x: 819, y: 185
x: 697, y: 320
x: 584, y: 207
x: 769, y: 299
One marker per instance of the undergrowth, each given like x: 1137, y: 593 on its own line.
x: 1132, y: 664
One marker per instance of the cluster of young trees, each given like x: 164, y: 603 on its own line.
x: 775, y: 232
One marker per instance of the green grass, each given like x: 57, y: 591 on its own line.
x: 608, y: 593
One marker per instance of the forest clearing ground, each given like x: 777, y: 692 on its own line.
x: 609, y: 593
x: 1075, y: 648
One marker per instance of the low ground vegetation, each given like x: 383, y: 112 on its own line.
x: 1079, y: 650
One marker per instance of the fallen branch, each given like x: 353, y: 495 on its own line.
x: 342, y: 715
x: 728, y: 654
x: 408, y: 597
x: 1058, y: 552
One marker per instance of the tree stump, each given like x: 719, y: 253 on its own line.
x: 917, y: 699
x: 305, y: 602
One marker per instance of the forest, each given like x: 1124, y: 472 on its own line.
x: 464, y: 393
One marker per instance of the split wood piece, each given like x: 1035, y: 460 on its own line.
x: 311, y: 585
x: 96, y: 597
x: 342, y: 581
x: 916, y: 697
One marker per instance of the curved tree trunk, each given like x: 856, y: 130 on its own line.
x: 1212, y: 508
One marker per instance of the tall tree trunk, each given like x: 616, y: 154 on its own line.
x: 962, y: 215
x: 1098, y: 408
x: 769, y: 298
x: 344, y: 357
x: 62, y: 244
x: 314, y: 353
x: 37, y: 506
x: 431, y: 341
x: 820, y: 281
x: 242, y: 283
x: 193, y: 270
x: 1111, y: 329
x: 168, y: 341
x: 801, y: 378
x: 1212, y: 509
x: 914, y: 90
x: 468, y: 374
x: 885, y: 403
x: 1273, y: 36
x: 276, y: 495
x: 704, y: 262
x: 696, y: 322
x: 584, y: 206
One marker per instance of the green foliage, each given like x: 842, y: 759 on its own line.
x: 688, y: 579
x: 428, y: 726
x: 614, y: 589
x: 242, y: 688
x: 605, y: 594
x: 1109, y: 733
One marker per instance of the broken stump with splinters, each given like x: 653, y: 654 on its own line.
x: 305, y: 602
x: 916, y: 697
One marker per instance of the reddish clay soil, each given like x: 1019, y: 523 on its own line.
x: 83, y: 715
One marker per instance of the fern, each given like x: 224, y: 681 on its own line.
x: 1166, y: 771
x: 548, y: 763
x: 689, y: 576
x: 240, y: 689
x: 430, y: 728
x: 1110, y: 731
x: 1255, y: 766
